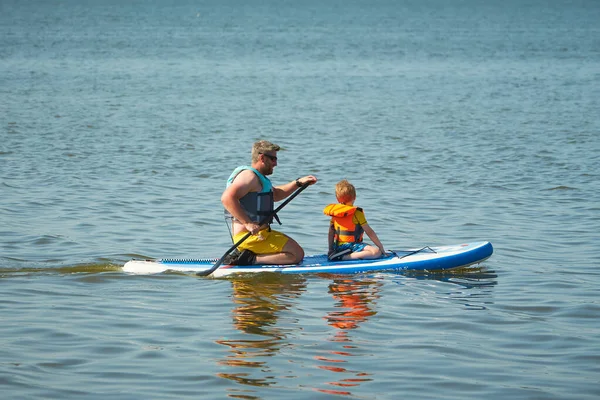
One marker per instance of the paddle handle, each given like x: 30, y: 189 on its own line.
x: 248, y: 234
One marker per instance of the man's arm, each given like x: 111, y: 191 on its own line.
x: 243, y: 184
x: 283, y: 191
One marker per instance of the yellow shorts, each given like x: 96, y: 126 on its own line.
x: 272, y: 242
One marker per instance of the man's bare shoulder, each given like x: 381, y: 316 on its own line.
x: 247, y: 179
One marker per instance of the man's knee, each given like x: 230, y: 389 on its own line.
x: 293, y: 248
x: 299, y: 256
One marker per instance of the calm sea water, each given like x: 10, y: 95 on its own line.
x: 457, y: 121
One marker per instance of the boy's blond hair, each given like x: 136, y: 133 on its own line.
x: 345, y: 191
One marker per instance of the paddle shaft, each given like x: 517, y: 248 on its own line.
x: 248, y: 234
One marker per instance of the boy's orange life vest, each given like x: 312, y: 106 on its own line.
x: 345, y: 230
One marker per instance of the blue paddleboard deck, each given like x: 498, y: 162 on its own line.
x: 419, y: 259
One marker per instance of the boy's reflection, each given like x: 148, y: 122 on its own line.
x: 259, y: 301
x: 355, y: 302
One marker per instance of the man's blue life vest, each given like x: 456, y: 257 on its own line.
x: 258, y: 205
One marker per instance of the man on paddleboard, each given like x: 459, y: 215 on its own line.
x: 250, y: 197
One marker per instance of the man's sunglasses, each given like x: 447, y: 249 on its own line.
x: 273, y: 158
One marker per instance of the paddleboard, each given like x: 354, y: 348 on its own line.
x: 422, y: 258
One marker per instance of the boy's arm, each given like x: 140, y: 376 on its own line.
x: 373, y: 236
x: 330, y: 237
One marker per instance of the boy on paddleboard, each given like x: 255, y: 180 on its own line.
x: 248, y: 199
x: 348, y: 223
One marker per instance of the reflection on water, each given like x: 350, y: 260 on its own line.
x: 472, y: 286
x: 355, y: 299
x: 263, y: 327
x: 355, y: 302
x: 259, y: 301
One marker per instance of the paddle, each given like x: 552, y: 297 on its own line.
x: 247, y: 235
